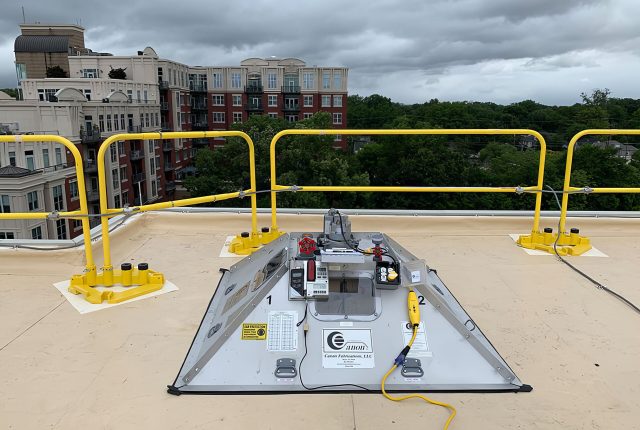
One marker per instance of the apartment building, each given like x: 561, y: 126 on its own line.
x: 281, y: 88
x: 87, y: 106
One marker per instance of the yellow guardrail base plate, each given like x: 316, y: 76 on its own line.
x: 136, y: 282
x: 568, y: 244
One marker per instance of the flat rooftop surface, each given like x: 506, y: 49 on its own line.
x: 576, y: 345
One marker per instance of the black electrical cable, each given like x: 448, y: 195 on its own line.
x: 306, y: 309
x: 384, y: 252
x: 598, y: 285
x: 321, y: 386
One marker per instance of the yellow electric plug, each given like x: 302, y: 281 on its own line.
x: 392, y: 275
x: 414, y: 308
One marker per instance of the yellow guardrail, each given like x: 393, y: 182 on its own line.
x: 572, y: 243
x: 82, y: 214
x: 275, y: 187
x: 108, y: 274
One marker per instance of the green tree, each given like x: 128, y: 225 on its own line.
x: 56, y: 72
x: 117, y: 73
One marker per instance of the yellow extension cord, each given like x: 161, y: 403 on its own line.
x: 415, y: 395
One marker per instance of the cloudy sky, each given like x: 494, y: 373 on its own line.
x: 411, y: 51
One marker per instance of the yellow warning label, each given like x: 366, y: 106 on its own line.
x: 254, y: 331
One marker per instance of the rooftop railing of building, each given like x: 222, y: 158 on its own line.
x: 198, y: 88
x: 254, y: 106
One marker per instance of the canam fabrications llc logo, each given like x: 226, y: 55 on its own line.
x: 336, y: 341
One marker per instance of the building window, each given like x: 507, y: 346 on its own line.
x: 113, y: 152
x: 157, y: 163
x: 218, y: 117
x: 308, y: 101
x: 273, y: 81
x: 236, y: 80
x: 154, y: 188
x: 73, y: 189
x: 337, y: 80
x: 58, y: 198
x: 89, y: 73
x: 61, y: 228
x: 36, y: 233
x: 116, y: 200
x: 337, y: 138
x: 217, y: 80
x: 308, y: 80
x: 218, y: 99
x: 147, y: 120
x: 58, y: 152
x: 5, y: 204
x: 12, y: 158
x: 146, y: 96
x: 272, y: 100
x: 87, y: 95
x: 115, y: 180
x: 109, y: 127
x: 237, y: 99
x: 152, y: 165
x: 7, y: 235
x: 21, y: 71
x: 273, y: 114
x: 115, y: 121
x: 31, y: 160
x: 337, y: 118
x: 41, y: 95
x: 122, y: 123
x: 77, y: 224
x: 45, y: 157
x: 237, y: 117
x: 291, y: 118
x: 307, y: 115
x: 326, y: 80
x: 32, y: 199
x: 326, y: 101
x: 101, y: 122
x: 130, y: 95
x: 123, y: 173
x: 337, y: 101
x: 121, y: 148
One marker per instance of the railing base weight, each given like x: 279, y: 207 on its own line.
x: 569, y: 243
x: 247, y: 243
x: 137, y: 282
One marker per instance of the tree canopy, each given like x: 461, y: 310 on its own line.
x: 452, y: 160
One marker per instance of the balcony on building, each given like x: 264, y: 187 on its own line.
x: 199, y: 126
x: 291, y: 107
x: 253, y: 88
x: 90, y: 136
x: 254, y: 107
x: 198, y: 104
x: 291, y: 89
x: 164, y: 106
x: 200, y: 142
x: 137, y: 177
x: 136, y: 155
x: 164, y: 85
x: 90, y: 166
x: 93, y: 195
x: 197, y: 87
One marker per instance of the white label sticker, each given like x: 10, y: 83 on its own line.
x: 347, y: 348
x: 415, y: 276
x: 420, y: 347
x: 282, y: 333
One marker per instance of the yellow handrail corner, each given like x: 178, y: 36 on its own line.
x: 82, y: 214
x: 571, y: 243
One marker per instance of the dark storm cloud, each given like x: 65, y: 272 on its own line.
x: 409, y: 50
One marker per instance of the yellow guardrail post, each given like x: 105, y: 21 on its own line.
x: 534, y: 189
x: 82, y: 214
x: 572, y: 243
